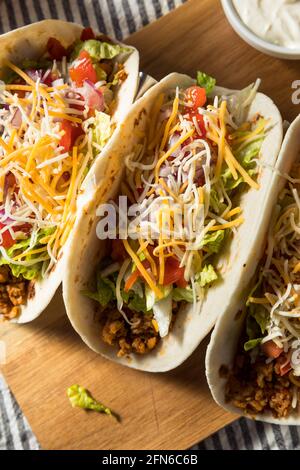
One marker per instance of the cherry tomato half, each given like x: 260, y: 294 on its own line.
x: 195, y: 97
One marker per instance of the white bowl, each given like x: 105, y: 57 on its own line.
x: 255, y: 41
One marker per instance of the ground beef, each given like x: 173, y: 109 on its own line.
x: 257, y: 388
x: 13, y: 293
x: 17, y: 293
x: 139, y: 338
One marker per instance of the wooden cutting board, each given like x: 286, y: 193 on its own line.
x: 161, y: 411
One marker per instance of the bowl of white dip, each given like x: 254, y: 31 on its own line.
x: 271, y: 26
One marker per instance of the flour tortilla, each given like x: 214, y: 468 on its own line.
x: 30, y: 42
x: 189, y: 329
x: 224, y: 340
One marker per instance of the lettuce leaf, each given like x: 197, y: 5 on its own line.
x: 256, y: 325
x: 105, y: 293
x: 134, y: 301
x: 205, y: 81
x: 9, y: 76
x: 101, y: 74
x: 214, y: 241
x: 98, y: 50
x: 207, y: 275
x: 183, y: 294
x: 102, y: 128
x: 217, y: 206
x: 81, y: 398
x: 245, y: 156
x: 151, y: 298
x: 252, y: 343
x: 162, y: 313
x: 41, y: 64
x: 28, y: 272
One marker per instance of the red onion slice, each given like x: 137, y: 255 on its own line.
x: 16, y: 120
x: 94, y: 98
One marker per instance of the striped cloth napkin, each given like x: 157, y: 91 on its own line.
x: 118, y: 18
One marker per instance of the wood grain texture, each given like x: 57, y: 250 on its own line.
x: 161, y: 411
x: 197, y: 36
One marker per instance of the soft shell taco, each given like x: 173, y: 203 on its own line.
x: 253, y: 360
x: 146, y: 298
x: 63, y: 92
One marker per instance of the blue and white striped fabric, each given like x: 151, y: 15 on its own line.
x: 118, y: 18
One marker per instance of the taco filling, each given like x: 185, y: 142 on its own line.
x: 56, y: 115
x: 266, y: 372
x: 197, y: 154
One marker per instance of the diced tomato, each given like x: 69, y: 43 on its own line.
x: 196, y: 97
x: 25, y: 228
x: 135, y: 275
x: 87, y: 33
x: 71, y: 133
x: 174, y: 274
x: 55, y: 49
x: 200, y: 122
x: 84, y: 70
x: 20, y: 93
x: 270, y: 349
x: 7, y: 240
x: 118, y: 252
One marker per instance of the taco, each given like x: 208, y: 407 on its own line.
x: 64, y: 90
x: 147, y: 297
x: 253, y: 360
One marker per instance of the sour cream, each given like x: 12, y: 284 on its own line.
x: 276, y: 21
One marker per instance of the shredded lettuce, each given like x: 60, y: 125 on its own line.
x: 217, y: 206
x: 207, y: 276
x: 98, y: 50
x: 9, y: 76
x: 27, y: 272
x: 81, y: 398
x: 256, y: 325
x: 102, y: 128
x: 214, y: 241
x: 101, y: 74
x: 41, y: 64
x: 134, y: 301
x: 205, y: 81
x: 252, y: 343
x: 105, y: 293
x: 246, y: 158
x: 151, y: 298
x: 162, y: 312
x: 183, y: 294
x: 239, y: 102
